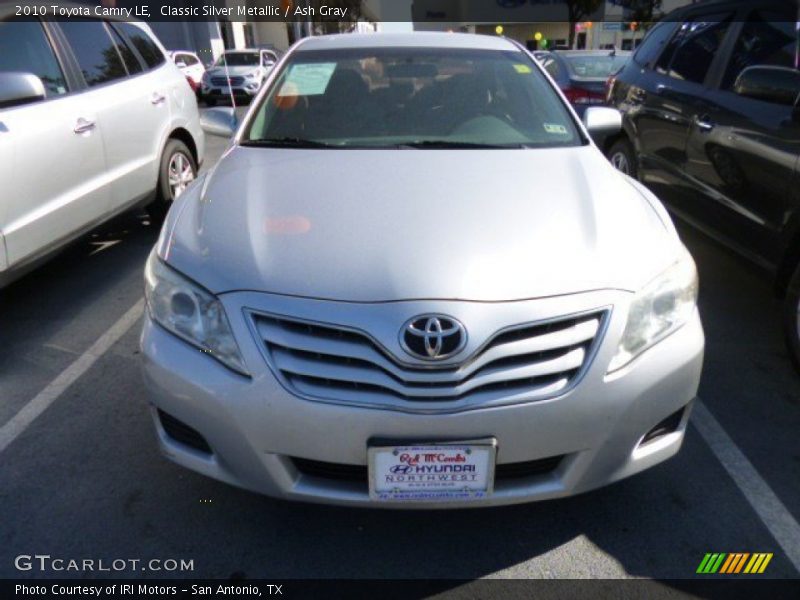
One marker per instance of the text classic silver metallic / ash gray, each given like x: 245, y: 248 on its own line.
x: 414, y: 281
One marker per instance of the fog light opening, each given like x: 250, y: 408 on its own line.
x: 665, y: 427
x: 181, y: 433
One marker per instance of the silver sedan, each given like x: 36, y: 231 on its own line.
x: 414, y: 281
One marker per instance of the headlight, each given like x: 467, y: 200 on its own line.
x: 190, y: 312
x: 657, y: 310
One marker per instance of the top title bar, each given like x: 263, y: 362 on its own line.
x: 440, y: 11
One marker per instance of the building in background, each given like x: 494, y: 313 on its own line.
x: 201, y: 37
x: 391, y: 16
x: 209, y: 39
x: 538, y: 24
x: 252, y: 34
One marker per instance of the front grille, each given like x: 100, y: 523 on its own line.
x: 335, y: 471
x: 182, y: 433
x: 359, y: 474
x: 521, y: 363
x: 222, y: 81
x: 528, y: 468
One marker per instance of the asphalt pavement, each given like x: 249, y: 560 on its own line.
x: 85, y: 478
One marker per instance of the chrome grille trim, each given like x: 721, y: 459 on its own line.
x: 223, y: 81
x: 334, y: 363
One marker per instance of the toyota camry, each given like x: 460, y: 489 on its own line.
x: 413, y: 280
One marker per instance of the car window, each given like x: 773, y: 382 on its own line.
x: 594, y: 65
x: 390, y: 97
x: 766, y: 39
x: 238, y: 59
x: 24, y: 47
x: 128, y: 57
x: 550, y: 65
x: 189, y: 60
x: 653, y: 43
x: 98, y: 56
x: 689, y: 54
x: 146, y: 47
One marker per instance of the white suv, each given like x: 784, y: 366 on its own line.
x: 93, y: 121
x: 237, y: 74
x: 191, y: 66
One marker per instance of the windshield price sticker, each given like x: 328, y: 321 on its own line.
x: 309, y: 79
x: 555, y: 129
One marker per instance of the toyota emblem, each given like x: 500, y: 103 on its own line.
x: 433, y: 337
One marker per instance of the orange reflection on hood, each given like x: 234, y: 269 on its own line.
x: 288, y: 225
x: 287, y: 97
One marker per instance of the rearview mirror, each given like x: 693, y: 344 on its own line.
x: 219, y: 121
x: 780, y: 85
x: 601, y: 122
x: 412, y: 71
x: 20, y: 88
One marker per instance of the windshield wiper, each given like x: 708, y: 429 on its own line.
x: 287, y: 142
x: 456, y: 144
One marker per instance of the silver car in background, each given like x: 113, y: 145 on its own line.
x: 414, y: 281
x: 94, y: 119
x: 237, y: 74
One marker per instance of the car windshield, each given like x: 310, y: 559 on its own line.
x: 238, y: 59
x: 411, y: 98
x: 596, y: 65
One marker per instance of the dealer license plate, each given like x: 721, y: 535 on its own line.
x: 432, y: 472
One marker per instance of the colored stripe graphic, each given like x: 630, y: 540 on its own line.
x: 758, y: 563
x: 734, y: 563
x: 711, y: 563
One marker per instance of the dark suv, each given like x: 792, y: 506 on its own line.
x: 711, y: 114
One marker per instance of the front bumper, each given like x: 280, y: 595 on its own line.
x: 221, y: 92
x: 257, y: 430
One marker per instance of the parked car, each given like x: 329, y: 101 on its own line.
x: 93, y: 121
x: 582, y: 74
x: 540, y: 55
x: 491, y: 314
x: 191, y: 66
x: 237, y: 74
x: 194, y: 87
x: 712, y: 125
x: 276, y: 52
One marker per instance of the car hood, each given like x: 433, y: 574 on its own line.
x: 232, y: 71
x: 384, y: 225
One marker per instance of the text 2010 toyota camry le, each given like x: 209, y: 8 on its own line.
x: 414, y: 281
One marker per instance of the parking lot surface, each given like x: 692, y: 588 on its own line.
x: 84, y: 478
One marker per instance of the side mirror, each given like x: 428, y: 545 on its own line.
x: 20, y: 88
x: 602, y: 121
x: 780, y: 85
x: 219, y: 121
